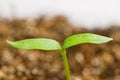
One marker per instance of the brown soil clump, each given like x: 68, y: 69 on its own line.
x: 87, y: 61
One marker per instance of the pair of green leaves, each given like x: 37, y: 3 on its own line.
x: 50, y: 44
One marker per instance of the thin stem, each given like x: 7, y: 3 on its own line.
x: 66, y: 66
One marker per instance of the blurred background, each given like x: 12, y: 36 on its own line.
x: 58, y: 19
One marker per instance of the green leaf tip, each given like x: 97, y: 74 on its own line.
x: 85, y: 38
x: 38, y: 43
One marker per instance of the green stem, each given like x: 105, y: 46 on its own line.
x: 66, y: 66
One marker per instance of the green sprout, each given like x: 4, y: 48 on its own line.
x: 50, y: 44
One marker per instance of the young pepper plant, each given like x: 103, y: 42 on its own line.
x: 51, y: 44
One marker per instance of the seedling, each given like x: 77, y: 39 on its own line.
x: 51, y: 44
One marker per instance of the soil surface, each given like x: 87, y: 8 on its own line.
x: 87, y: 61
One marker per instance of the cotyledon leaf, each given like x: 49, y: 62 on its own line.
x: 85, y: 38
x: 37, y: 43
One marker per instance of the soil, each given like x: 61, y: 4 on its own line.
x: 87, y: 61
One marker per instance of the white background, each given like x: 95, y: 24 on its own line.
x: 89, y: 13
